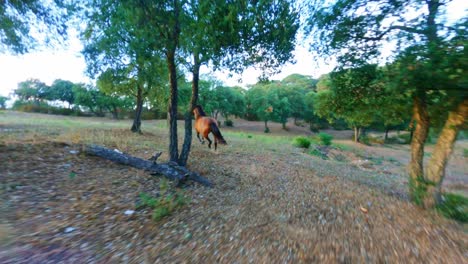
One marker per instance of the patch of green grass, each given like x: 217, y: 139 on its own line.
x: 164, y: 205
x: 376, y: 160
x: 454, y: 206
x: 317, y: 153
x: 342, y: 147
x: 301, y: 142
x: 465, y: 153
x: 72, y: 175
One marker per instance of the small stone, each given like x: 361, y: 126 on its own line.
x: 74, y: 152
x: 129, y: 212
x: 69, y: 229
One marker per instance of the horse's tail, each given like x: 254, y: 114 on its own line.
x: 217, y: 133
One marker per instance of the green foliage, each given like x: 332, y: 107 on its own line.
x: 72, y: 175
x: 3, y: 100
x: 301, y: 142
x: 218, y: 99
x: 42, y: 107
x: 465, y: 153
x: 19, y: 18
x: 60, y: 90
x: 418, y: 189
x: 324, y: 139
x: 454, y: 206
x: 98, y: 103
x: 31, y: 89
x: 268, y: 102
x: 166, y: 203
x: 316, y: 152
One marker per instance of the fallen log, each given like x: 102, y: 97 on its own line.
x: 170, y: 170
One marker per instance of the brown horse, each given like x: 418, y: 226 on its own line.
x: 205, y: 125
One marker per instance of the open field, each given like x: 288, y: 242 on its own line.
x: 272, y: 202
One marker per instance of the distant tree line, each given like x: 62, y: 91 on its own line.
x: 318, y: 103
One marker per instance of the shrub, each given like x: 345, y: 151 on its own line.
x: 228, y: 123
x: 325, y: 139
x: 42, y: 107
x: 465, y: 153
x: 267, y: 130
x: 301, y: 142
x: 454, y: 206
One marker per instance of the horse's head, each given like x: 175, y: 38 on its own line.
x: 198, y: 111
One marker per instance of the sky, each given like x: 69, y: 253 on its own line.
x: 67, y: 63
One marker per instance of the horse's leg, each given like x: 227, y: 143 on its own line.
x: 216, y: 143
x: 209, y: 141
x: 201, y: 141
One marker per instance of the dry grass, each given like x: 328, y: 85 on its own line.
x: 271, y: 203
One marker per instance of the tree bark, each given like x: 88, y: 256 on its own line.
x: 356, y: 134
x: 435, y: 170
x: 421, y: 131
x: 170, y: 56
x: 170, y: 170
x: 173, y: 143
x: 136, y: 126
x: 188, y: 115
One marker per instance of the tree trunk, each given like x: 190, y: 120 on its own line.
x: 188, y: 115
x: 421, y: 130
x: 136, y: 127
x: 170, y: 170
x: 267, y: 130
x: 386, y: 134
x: 173, y: 144
x: 356, y: 134
x: 115, y: 113
x: 170, y: 56
x: 435, y: 170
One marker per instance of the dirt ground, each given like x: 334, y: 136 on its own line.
x: 270, y: 204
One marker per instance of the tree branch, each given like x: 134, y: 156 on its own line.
x: 391, y: 28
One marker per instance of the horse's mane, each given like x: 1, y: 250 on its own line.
x: 200, y: 110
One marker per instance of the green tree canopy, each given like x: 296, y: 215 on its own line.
x: 61, y: 90
x: 25, y: 24
x: 31, y: 89
x: 3, y: 100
